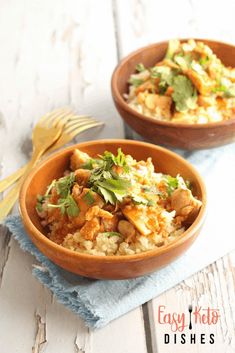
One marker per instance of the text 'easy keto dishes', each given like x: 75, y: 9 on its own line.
x: 115, y: 205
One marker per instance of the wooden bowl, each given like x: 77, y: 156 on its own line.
x: 181, y: 135
x: 110, y: 267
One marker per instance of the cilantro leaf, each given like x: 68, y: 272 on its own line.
x: 136, y: 82
x: 184, y: 95
x: 71, y: 206
x: 88, y: 198
x: 88, y: 164
x: 108, y: 196
x: 63, y: 185
x: 184, y: 61
x: 204, y: 61
x: 140, y: 67
x: 66, y: 202
x: 111, y: 234
x: 66, y: 205
x: 173, y: 47
x: 172, y: 184
x: 166, y: 76
x: 117, y: 189
x: 40, y: 200
x: 138, y: 200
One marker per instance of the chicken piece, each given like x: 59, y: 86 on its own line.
x: 84, y: 205
x: 162, y: 103
x: 185, y: 204
x: 110, y: 224
x: 82, y: 176
x: 90, y: 228
x: 98, y: 212
x: 127, y: 230
x: 78, y: 158
x: 202, y: 82
x: 136, y: 214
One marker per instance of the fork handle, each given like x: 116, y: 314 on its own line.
x: 8, y: 181
x: 8, y: 202
x: 5, y: 183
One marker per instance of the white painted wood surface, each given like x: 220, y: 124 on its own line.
x: 57, y: 53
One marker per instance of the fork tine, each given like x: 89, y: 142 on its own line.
x: 73, y: 131
x: 62, y: 119
x: 51, y: 115
x: 71, y: 127
x: 77, y: 122
x: 56, y: 118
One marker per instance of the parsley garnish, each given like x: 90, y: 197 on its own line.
x: 40, y: 200
x: 66, y: 202
x: 140, y: 67
x: 173, y: 47
x: 106, y: 182
x: 111, y: 234
x: 204, y: 61
x: 63, y: 185
x: 88, y: 164
x: 135, y: 81
x: 67, y: 205
x: 184, y: 95
x: 172, y: 184
x: 88, y: 198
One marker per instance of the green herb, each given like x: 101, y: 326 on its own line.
x: 173, y: 47
x: 172, y: 184
x: 88, y: 198
x: 151, y: 203
x: 112, y: 234
x: 139, y: 200
x: 67, y: 205
x: 117, y: 188
x: 40, y: 200
x: 108, y: 196
x: 135, y: 81
x: 63, y: 185
x: 119, y: 160
x: 88, y: 164
x: 229, y: 92
x: 50, y: 187
x: 140, y: 67
x: 66, y: 202
x: 106, y: 182
x: 166, y: 76
x: 184, y: 95
x: 204, y: 61
x: 184, y: 61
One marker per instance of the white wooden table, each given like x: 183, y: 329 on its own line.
x: 62, y: 52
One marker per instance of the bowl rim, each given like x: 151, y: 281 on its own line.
x: 121, y: 101
x: 31, y: 228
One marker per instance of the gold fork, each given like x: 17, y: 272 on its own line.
x: 43, y: 136
x: 74, y: 126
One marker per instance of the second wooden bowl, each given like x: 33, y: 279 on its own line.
x: 185, y: 136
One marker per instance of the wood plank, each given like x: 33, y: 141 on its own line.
x: 143, y: 22
x: 54, y: 54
